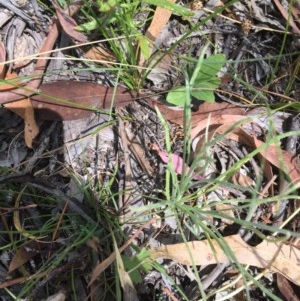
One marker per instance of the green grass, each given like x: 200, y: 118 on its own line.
x: 68, y: 235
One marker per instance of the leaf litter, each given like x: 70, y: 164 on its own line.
x: 239, y: 140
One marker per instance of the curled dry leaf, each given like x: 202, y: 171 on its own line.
x: 175, y: 115
x: 277, y: 257
x: 224, y: 119
x: 280, y: 158
x: 273, y: 154
x: 68, y: 23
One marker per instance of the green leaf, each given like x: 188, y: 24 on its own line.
x: 203, y: 82
x: 178, y: 9
x: 210, y: 67
x: 137, y: 264
x: 177, y: 96
x: 204, y: 95
x: 144, y: 46
x: 86, y: 27
x: 211, y: 83
x: 205, y: 90
x: 107, y: 6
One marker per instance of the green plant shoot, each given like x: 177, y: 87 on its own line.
x: 203, y: 81
x: 106, y: 6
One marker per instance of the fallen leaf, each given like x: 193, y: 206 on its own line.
x: 178, y: 164
x: 99, y: 53
x: 31, y: 129
x: 11, y: 81
x: 23, y: 92
x: 285, y: 288
x: 287, y: 16
x: 68, y: 23
x: 24, y: 253
x: 75, y: 100
x: 24, y: 109
x: 129, y: 291
x: 227, y: 120
x: 239, y: 178
x: 18, y: 107
x: 2, y: 60
x: 175, y: 114
x: 159, y: 21
x: 239, y: 135
x: 280, y: 158
x: 225, y: 210
x: 112, y: 257
x: 277, y: 257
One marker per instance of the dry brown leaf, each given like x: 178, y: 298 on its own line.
x: 159, y: 21
x: 277, y: 257
x: 286, y: 289
x: 24, y: 253
x: 267, y: 157
x: 18, y: 107
x: 24, y: 109
x: 205, y: 110
x: 243, y: 180
x: 11, y: 81
x: 287, y: 16
x: 225, y: 210
x: 281, y: 159
x: 112, y: 257
x: 227, y: 120
x: 31, y: 129
x: 2, y: 60
x: 68, y: 100
x: 68, y: 23
x: 99, y: 53
x: 129, y: 291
